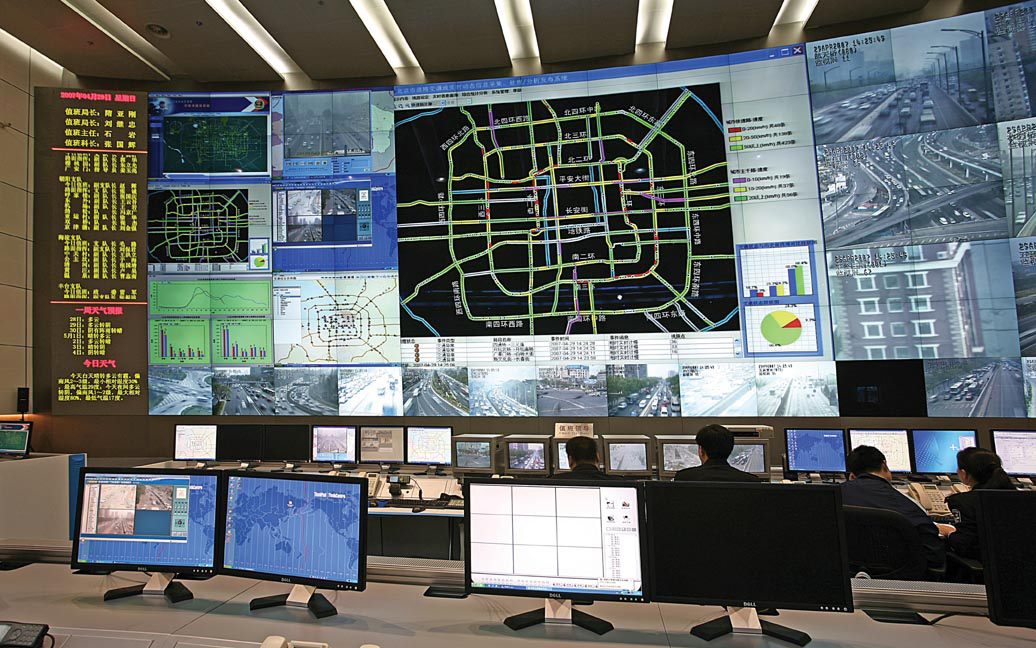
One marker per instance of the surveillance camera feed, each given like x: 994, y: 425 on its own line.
x: 474, y: 454
x: 627, y: 457
x: 526, y: 456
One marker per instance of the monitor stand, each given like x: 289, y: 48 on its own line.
x: 159, y: 583
x: 559, y: 612
x: 289, y: 466
x: 300, y: 596
x: 248, y: 465
x: 201, y: 465
x: 746, y: 621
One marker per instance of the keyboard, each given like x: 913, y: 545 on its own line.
x: 413, y: 502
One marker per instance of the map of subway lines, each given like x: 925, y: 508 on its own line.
x: 215, y: 144
x: 198, y: 225
x: 606, y: 214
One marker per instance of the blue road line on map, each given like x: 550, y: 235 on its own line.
x: 705, y: 108
x: 597, y: 200
x: 427, y: 113
x: 419, y: 319
x: 721, y: 322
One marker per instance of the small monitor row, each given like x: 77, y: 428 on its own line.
x: 14, y: 438
x: 337, y: 444
x: 926, y: 452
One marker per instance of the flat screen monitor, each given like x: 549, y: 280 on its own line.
x: 151, y: 519
x: 285, y: 443
x: 538, y: 538
x: 935, y: 451
x: 15, y: 438
x: 1017, y: 450
x: 195, y: 443
x: 815, y: 450
x: 527, y: 456
x: 1007, y: 525
x: 428, y: 446
x: 892, y: 443
x: 474, y: 455
x: 239, y: 442
x: 708, y: 519
x: 381, y: 444
x: 297, y: 528
x: 334, y: 443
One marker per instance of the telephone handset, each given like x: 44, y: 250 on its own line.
x: 453, y: 488
x: 960, y: 488
x: 930, y: 498
x: 373, y: 484
x: 22, y: 635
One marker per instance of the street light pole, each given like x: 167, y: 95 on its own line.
x: 825, y: 75
x: 956, y: 56
x: 981, y: 36
x: 945, y: 69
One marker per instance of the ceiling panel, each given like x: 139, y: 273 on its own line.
x: 200, y: 43
x: 64, y: 36
x: 830, y: 12
x: 325, y: 37
x: 701, y: 22
x: 567, y: 30
x: 457, y: 35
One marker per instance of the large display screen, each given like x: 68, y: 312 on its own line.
x: 702, y: 237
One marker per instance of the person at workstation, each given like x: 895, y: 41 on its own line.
x: 715, y: 443
x: 870, y: 485
x: 583, y: 460
x: 977, y: 469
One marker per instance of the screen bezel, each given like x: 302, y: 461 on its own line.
x: 28, y: 441
x: 906, y: 433
x: 581, y: 596
x: 361, y: 571
x: 547, y: 459
x: 913, y: 455
x: 274, y: 428
x: 493, y: 446
x: 313, y: 444
x: 406, y: 445
x: 845, y: 450
x: 992, y: 438
x: 607, y: 458
x: 847, y: 591
x: 386, y: 462
x: 217, y: 542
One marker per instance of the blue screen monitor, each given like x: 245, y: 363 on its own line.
x: 935, y: 451
x: 147, y: 519
x: 815, y: 450
x: 297, y: 528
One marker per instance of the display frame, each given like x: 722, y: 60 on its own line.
x: 914, y: 468
x: 992, y: 439
x: 406, y: 446
x: 28, y: 441
x: 787, y: 449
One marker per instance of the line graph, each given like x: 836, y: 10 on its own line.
x: 209, y: 297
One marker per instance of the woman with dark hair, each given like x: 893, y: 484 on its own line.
x: 979, y: 470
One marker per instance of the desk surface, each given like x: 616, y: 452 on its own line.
x: 393, y: 616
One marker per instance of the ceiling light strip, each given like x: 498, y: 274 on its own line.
x: 519, y: 30
x: 252, y: 32
x: 386, y: 33
x: 795, y: 11
x: 653, y: 18
x: 110, y: 25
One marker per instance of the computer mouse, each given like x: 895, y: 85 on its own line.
x: 418, y: 509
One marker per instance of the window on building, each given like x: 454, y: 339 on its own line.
x: 921, y: 303
x: 869, y: 306
x: 873, y: 330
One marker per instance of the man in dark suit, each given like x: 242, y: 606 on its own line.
x: 715, y: 443
x: 583, y: 460
x: 870, y: 485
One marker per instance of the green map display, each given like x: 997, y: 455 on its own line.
x: 197, y: 144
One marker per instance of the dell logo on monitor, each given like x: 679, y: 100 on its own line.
x: 554, y: 595
x: 748, y: 604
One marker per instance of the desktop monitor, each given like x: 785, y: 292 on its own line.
x: 935, y: 451
x: 751, y: 456
x: 815, y: 450
x: 560, y: 455
x: 892, y: 443
x: 334, y: 444
x: 676, y: 453
x: 296, y: 528
x: 195, y: 443
x: 428, y: 446
x: 147, y: 519
x: 1017, y: 450
x: 239, y: 442
x: 707, y: 521
x: 288, y: 443
x: 15, y: 438
x: 628, y: 455
x: 475, y: 454
x: 539, y: 538
x: 381, y: 444
x: 1006, y: 527
x: 527, y: 455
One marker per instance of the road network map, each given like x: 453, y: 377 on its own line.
x: 196, y: 144
x: 197, y: 226
x: 607, y: 214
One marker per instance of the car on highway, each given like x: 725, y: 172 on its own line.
x: 642, y: 403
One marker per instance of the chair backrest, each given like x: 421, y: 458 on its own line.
x: 884, y: 544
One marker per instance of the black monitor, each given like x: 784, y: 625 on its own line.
x: 382, y: 444
x: 1017, y: 450
x: 15, y: 438
x: 428, y: 445
x: 934, y: 452
x: 701, y: 554
x: 815, y: 450
x: 335, y: 444
x: 1007, y: 525
x: 239, y: 442
x: 475, y: 454
x: 148, y: 519
x: 287, y: 443
x: 303, y: 529
x: 194, y: 443
x: 628, y: 456
x: 527, y: 454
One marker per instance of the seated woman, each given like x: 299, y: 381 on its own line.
x: 979, y: 470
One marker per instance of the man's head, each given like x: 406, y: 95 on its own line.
x: 714, y: 442
x: 867, y: 460
x: 581, y: 450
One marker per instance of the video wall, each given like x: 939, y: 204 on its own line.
x: 702, y: 237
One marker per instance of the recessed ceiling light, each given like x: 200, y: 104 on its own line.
x: 157, y: 30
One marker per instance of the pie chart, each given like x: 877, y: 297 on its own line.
x: 781, y: 327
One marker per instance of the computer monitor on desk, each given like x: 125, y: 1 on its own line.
x: 560, y: 455
x: 527, y: 455
x: 195, y: 443
x: 156, y: 520
x: 429, y: 446
x: 700, y: 553
x: 286, y: 444
x: 1017, y: 450
x: 892, y: 443
x: 538, y: 538
x: 676, y: 453
x: 628, y: 456
x: 934, y: 452
x: 382, y: 445
x: 321, y: 520
x: 475, y: 454
x: 334, y: 444
x: 239, y: 443
x: 15, y: 439
x: 815, y: 450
